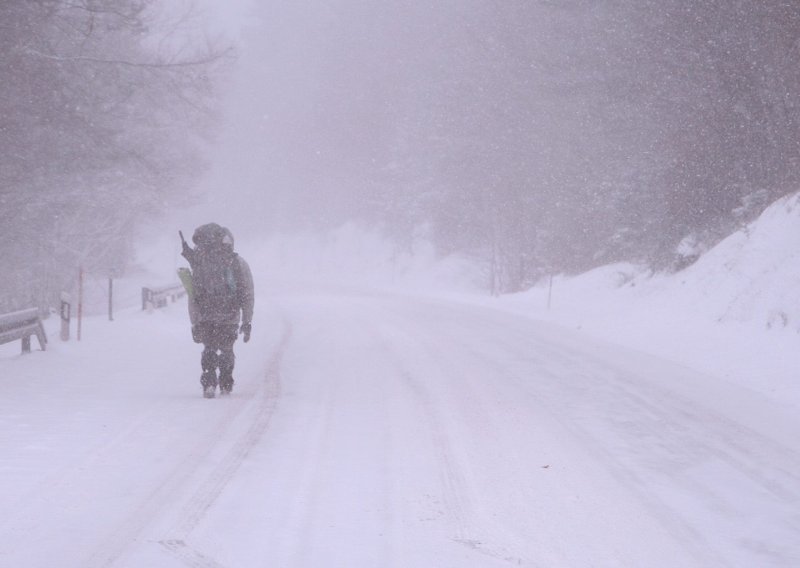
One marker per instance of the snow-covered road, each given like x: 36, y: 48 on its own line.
x: 372, y: 430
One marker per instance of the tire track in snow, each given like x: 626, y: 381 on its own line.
x: 189, y: 556
x: 450, y: 476
x: 457, y: 491
x: 744, y: 449
x: 496, y: 350
x: 322, y: 475
x: 117, y: 543
x: 210, y: 490
x: 680, y: 434
x: 549, y: 393
x: 665, y: 439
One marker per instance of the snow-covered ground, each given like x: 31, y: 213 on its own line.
x: 734, y: 314
x: 652, y: 422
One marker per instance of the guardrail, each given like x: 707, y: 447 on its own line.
x: 158, y: 297
x: 21, y: 325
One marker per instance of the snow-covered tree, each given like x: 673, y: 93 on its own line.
x: 99, y: 129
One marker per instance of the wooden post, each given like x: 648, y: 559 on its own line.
x: 26, y: 344
x: 110, y: 299
x: 41, y: 336
x: 550, y: 292
x: 65, y: 316
x: 80, y: 301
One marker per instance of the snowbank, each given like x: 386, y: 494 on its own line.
x: 733, y: 314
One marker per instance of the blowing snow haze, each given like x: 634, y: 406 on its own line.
x: 536, y: 136
x: 532, y: 137
x: 620, y: 175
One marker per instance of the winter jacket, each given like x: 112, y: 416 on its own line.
x: 241, y: 313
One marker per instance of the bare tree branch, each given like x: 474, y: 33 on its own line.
x: 203, y: 61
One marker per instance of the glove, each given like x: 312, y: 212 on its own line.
x: 245, y: 330
x: 196, y: 334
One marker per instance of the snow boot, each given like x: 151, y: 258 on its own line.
x: 209, y: 382
x: 225, y: 385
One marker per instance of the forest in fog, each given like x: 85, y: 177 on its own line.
x: 533, y: 136
x: 102, y: 117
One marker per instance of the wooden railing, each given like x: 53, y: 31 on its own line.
x: 21, y: 325
x: 158, y: 297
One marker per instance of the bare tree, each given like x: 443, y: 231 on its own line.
x: 99, y: 131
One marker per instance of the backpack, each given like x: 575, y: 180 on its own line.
x: 215, y: 281
x: 215, y: 273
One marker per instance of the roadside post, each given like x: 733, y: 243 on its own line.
x: 66, y: 308
x: 80, y: 301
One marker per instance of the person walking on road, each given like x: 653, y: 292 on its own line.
x: 221, y: 298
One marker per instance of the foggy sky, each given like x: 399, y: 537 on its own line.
x: 569, y: 133
x: 308, y: 116
x: 326, y: 95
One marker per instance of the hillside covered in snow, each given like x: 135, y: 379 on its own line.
x: 734, y: 313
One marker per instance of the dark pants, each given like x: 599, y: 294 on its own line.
x: 218, y: 340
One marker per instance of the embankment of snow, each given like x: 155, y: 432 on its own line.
x: 733, y: 314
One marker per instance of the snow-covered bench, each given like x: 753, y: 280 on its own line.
x: 21, y: 325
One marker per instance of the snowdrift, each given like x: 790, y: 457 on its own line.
x: 753, y: 275
x: 734, y: 313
